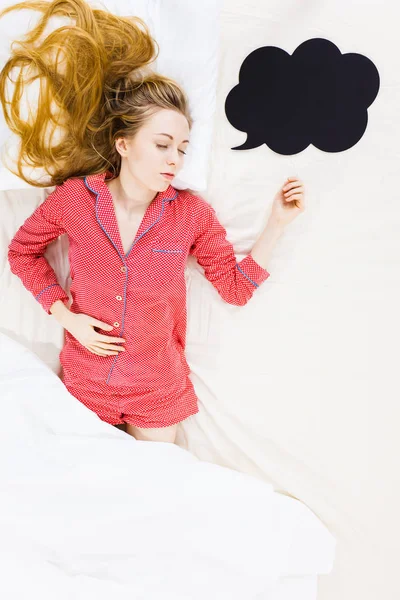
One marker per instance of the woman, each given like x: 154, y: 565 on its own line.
x: 125, y: 133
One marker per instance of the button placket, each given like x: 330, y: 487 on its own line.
x: 123, y: 269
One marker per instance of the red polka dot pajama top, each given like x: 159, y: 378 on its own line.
x: 141, y: 294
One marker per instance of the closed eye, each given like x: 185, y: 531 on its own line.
x: 160, y: 146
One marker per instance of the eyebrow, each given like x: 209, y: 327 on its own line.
x: 170, y: 136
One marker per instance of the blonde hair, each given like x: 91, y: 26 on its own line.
x: 93, y: 72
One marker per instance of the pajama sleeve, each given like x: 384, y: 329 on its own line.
x: 234, y: 281
x: 26, y: 250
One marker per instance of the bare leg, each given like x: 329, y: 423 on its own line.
x: 121, y: 426
x: 158, y: 434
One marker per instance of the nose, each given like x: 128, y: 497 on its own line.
x: 172, y: 161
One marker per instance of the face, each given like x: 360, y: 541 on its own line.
x: 149, y: 153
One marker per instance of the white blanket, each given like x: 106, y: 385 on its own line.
x: 87, y: 511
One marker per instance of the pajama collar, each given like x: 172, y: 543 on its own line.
x: 105, y: 213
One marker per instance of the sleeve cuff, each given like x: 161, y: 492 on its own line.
x: 252, y: 270
x: 51, y: 294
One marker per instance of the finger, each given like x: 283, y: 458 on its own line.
x: 295, y: 190
x: 108, y: 338
x: 93, y: 350
x: 99, y: 351
x: 108, y: 346
x: 293, y: 184
x: 293, y: 197
x: 101, y: 325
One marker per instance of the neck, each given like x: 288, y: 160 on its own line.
x: 130, y: 194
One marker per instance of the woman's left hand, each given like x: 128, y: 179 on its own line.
x: 288, y: 202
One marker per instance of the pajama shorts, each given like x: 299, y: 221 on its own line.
x: 145, y: 407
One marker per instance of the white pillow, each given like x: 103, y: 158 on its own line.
x: 187, y: 32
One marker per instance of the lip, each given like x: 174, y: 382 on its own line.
x: 167, y: 175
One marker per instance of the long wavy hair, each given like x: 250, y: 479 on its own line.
x: 94, y: 85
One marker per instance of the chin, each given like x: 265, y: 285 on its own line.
x: 156, y: 188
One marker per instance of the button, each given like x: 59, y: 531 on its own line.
x: 116, y: 324
x: 118, y: 297
x: 123, y: 269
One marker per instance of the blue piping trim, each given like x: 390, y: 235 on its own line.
x: 243, y: 273
x: 122, y: 325
x: 161, y: 214
x: 126, y: 275
x: 46, y: 288
x: 99, y: 222
x: 173, y: 251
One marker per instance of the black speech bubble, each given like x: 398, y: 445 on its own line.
x: 315, y: 96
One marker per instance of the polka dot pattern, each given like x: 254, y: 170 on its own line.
x: 144, y: 408
x: 142, y: 293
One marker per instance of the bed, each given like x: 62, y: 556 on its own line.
x: 226, y: 528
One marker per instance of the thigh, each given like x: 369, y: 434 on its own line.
x: 158, y: 434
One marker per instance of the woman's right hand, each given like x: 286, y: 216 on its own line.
x: 82, y: 327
